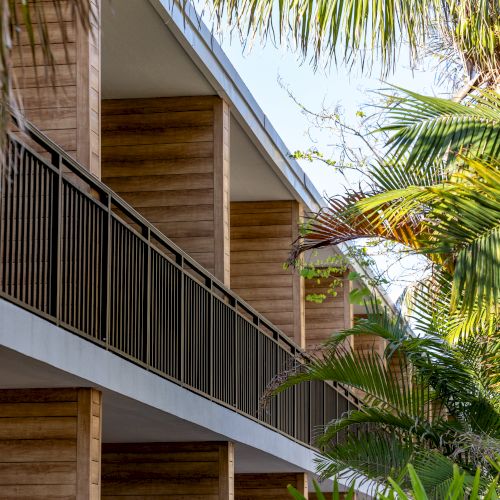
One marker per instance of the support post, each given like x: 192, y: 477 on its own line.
x: 50, y: 442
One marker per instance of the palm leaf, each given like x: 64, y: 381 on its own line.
x: 429, y: 129
x: 368, y: 456
x: 364, y: 31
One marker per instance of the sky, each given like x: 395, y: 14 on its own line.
x: 271, y: 73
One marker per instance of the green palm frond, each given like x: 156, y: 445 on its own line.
x: 428, y: 129
x: 367, y: 372
x: 428, y: 303
x: 365, y: 31
x: 456, y: 223
x: 454, y: 483
x: 461, y: 218
x: 368, y: 456
x: 426, y: 422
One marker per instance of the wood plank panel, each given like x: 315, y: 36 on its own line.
x: 262, y: 234
x: 167, y: 157
x: 332, y: 315
x: 268, y: 486
x: 59, y: 103
x: 158, y: 121
x: 173, y: 470
x: 45, y: 437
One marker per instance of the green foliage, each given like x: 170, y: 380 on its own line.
x: 425, y: 402
x: 329, y: 270
x: 437, y: 193
x: 459, y: 488
x: 311, y: 155
x: 358, y: 296
x: 364, y: 31
x: 427, y: 129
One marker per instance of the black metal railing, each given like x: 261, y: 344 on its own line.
x: 73, y: 252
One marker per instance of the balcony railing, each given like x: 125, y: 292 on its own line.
x: 76, y: 254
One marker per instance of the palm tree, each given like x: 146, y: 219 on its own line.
x: 460, y: 487
x: 368, y: 30
x: 436, y: 191
x: 426, y: 403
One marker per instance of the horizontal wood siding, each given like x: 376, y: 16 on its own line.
x: 367, y: 344
x: 50, y: 442
x: 63, y: 104
x: 164, y: 157
x: 268, y: 486
x: 168, y: 470
x: 323, y: 319
x: 261, y: 237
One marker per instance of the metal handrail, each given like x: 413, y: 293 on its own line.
x: 45, y: 186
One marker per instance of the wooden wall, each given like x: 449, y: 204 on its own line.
x: 333, y: 315
x: 168, y: 470
x: 268, y: 486
x: 169, y: 158
x: 368, y: 343
x: 50, y: 444
x: 261, y: 237
x: 68, y: 111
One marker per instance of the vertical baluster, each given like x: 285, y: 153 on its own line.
x: 182, y: 292
x: 147, y: 284
x: 30, y: 231
x: 36, y: 236
x: 54, y: 271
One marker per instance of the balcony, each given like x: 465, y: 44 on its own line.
x: 77, y: 255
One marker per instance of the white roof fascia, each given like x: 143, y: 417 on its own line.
x: 200, y: 44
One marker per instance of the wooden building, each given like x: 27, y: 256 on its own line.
x: 144, y: 306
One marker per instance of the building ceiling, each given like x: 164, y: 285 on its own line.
x: 140, y: 56
x: 143, y: 59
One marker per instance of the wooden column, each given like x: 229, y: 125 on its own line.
x: 88, y: 92
x: 68, y: 111
x: 299, y: 320
x: 173, y: 470
x: 262, y: 233
x: 221, y: 191
x: 169, y: 158
x: 268, y: 486
x: 50, y: 443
